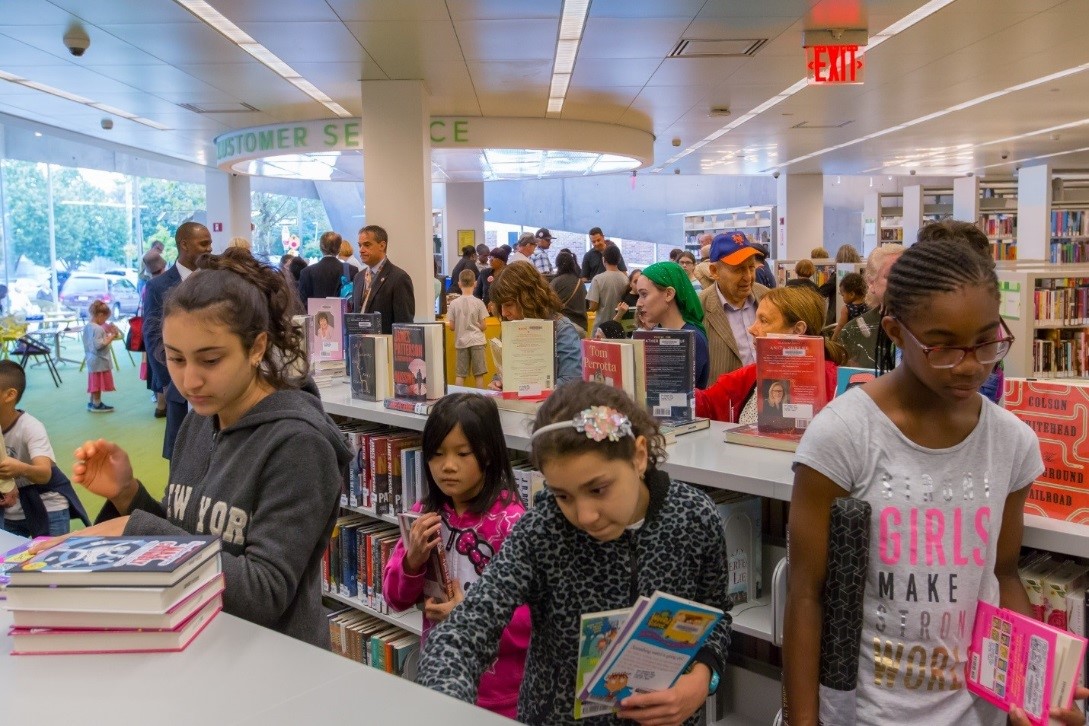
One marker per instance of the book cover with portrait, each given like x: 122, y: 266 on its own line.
x: 790, y: 382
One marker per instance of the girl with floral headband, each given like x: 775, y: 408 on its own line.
x: 610, y: 527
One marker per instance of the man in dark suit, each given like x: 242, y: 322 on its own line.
x: 193, y: 240
x: 381, y: 286
x: 322, y: 279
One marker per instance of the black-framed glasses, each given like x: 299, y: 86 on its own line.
x: 950, y: 356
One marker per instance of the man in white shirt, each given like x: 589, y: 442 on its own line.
x: 523, y: 249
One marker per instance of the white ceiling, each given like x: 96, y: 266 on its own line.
x: 494, y: 58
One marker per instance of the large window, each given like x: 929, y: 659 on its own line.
x: 283, y: 224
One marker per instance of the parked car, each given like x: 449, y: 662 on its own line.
x: 123, y: 274
x: 83, y: 288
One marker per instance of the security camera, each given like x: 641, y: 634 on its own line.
x: 676, y: 141
x: 76, y: 40
x: 775, y: 175
x: 1005, y: 155
x: 107, y: 123
x: 912, y: 172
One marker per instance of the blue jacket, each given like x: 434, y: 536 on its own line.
x: 157, y: 289
x: 37, y: 518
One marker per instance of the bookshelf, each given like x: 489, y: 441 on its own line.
x: 410, y: 620
x: 1069, y: 234
x: 756, y: 221
x: 998, y: 217
x: 1046, y: 307
x: 890, y: 218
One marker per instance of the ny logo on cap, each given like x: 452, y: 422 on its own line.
x: 739, y: 238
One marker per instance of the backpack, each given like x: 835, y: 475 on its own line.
x: 346, y: 285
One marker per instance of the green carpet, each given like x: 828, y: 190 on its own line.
x: 132, y: 425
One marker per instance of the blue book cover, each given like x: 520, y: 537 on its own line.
x: 106, y: 561
x: 654, y: 648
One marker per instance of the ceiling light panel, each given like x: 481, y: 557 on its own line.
x: 572, y: 23
x: 75, y: 98
x: 236, y: 35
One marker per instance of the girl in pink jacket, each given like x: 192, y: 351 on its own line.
x: 471, y: 505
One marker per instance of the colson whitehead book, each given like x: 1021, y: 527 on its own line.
x: 1017, y: 661
x: 1058, y: 411
x: 359, y: 324
x: 656, y: 644
x: 370, y: 366
x: 116, y: 561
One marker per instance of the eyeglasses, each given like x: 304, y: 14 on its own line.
x: 950, y: 356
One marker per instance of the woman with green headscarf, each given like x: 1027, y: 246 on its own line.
x: 668, y: 300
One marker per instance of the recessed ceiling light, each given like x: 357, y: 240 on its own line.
x: 38, y: 134
x: 75, y: 98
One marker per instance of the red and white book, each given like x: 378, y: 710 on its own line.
x: 1015, y: 660
x: 57, y: 641
x: 790, y: 382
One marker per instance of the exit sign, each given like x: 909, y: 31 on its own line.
x: 829, y: 65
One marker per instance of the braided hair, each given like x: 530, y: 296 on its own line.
x: 938, y: 264
x: 235, y: 290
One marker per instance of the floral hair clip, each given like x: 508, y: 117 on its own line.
x: 597, y: 422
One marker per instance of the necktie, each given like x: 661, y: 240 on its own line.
x: 366, y: 289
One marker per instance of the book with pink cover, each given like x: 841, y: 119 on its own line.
x: 1017, y: 661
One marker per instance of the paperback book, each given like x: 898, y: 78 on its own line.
x: 116, y: 561
x: 790, y: 382
x: 658, y: 641
x: 370, y: 366
x: 418, y: 361
x: 597, y: 632
x: 669, y: 373
x: 528, y: 356
x: 1017, y: 661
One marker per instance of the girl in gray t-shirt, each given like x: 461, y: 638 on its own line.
x: 946, y: 474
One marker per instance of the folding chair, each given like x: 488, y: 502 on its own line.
x: 26, y: 349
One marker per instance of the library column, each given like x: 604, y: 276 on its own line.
x: 912, y: 213
x: 463, y: 219
x: 229, y: 207
x: 800, y: 207
x: 397, y: 179
x: 1034, y: 212
x: 966, y: 199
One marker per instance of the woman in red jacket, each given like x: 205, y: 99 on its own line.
x: 784, y: 310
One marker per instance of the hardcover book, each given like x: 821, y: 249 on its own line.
x: 1017, y: 661
x: 658, y: 641
x: 614, y: 364
x: 848, y: 377
x: 437, y: 579
x: 327, y: 328
x: 751, y: 435
x: 1058, y: 411
x: 27, y: 641
x: 529, y: 356
x: 359, y: 324
x: 790, y: 381
x: 370, y: 366
x: 116, y: 561
x: 742, y: 519
x: 418, y: 361
x: 669, y: 373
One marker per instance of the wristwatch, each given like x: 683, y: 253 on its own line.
x: 713, y: 685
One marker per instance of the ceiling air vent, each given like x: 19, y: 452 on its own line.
x: 218, y: 107
x: 696, y: 48
x: 807, y: 125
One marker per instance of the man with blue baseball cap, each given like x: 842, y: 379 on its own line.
x: 729, y: 307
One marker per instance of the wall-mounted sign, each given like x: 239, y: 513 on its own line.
x: 829, y: 65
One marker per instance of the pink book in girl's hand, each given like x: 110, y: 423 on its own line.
x: 1017, y: 661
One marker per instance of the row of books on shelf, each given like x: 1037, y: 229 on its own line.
x: 1068, y: 251
x: 1004, y: 250
x: 1062, y: 300
x: 112, y: 594
x: 999, y: 225
x: 1060, y: 353
x: 1069, y: 223
x: 365, y: 639
x: 356, y: 557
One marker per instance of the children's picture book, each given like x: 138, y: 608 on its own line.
x: 418, y: 361
x: 528, y: 356
x: 14, y: 558
x: 370, y: 366
x: 6, y: 485
x: 116, y: 561
x: 1058, y: 411
x: 790, y: 381
x: 659, y: 640
x: 669, y: 373
x: 848, y: 377
x: 609, y: 362
x: 597, y: 632
x: 437, y: 579
x: 751, y: 435
x: 327, y: 329
x: 1017, y: 661
x: 40, y: 641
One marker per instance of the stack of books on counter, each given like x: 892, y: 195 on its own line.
x: 325, y: 336
x: 114, y: 595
